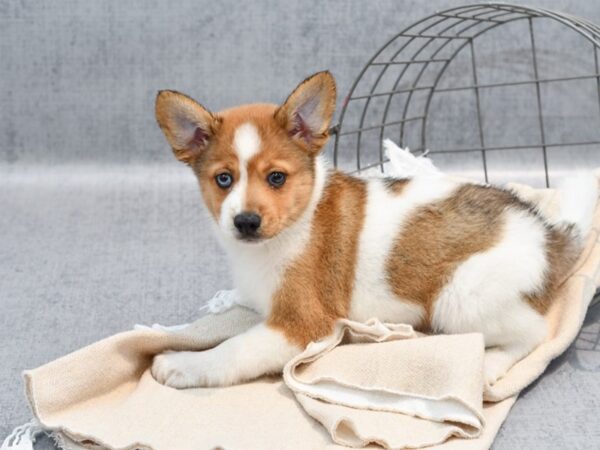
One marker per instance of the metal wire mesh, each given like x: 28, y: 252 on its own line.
x: 403, y: 92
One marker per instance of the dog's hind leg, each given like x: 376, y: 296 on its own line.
x: 521, y: 337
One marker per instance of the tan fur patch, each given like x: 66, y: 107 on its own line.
x: 439, y: 236
x: 396, y: 185
x: 317, y: 288
x: 278, y: 207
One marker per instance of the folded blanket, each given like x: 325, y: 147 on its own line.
x: 387, y: 386
x: 398, y: 394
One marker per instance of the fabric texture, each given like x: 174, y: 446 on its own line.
x: 103, y: 395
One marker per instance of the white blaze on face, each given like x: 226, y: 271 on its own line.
x: 246, y: 143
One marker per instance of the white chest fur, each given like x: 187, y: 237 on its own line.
x: 258, y: 269
x: 257, y: 278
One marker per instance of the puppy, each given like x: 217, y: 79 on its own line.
x: 309, y: 245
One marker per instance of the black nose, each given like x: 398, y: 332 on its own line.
x: 247, y: 223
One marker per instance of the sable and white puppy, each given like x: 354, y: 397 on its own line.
x: 310, y: 245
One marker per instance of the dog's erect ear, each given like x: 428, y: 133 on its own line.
x: 187, y: 125
x: 307, y: 112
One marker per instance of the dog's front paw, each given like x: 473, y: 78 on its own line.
x: 176, y: 369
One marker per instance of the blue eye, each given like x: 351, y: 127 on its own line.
x: 224, y: 180
x: 276, y: 179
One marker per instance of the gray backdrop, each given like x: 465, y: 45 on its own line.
x: 100, y: 228
x: 78, y: 78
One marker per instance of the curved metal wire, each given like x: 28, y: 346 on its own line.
x: 454, y: 29
x: 375, y: 84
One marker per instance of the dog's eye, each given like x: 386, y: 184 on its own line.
x: 276, y: 179
x: 224, y: 180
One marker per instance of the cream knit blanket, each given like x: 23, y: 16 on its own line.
x: 387, y: 387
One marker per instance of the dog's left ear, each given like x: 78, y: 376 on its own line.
x: 188, y: 126
x: 307, y: 112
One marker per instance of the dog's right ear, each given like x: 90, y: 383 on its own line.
x: 187, y: 125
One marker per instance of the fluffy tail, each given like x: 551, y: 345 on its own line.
x: 578, y: 198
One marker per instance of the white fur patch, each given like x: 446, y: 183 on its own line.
x: 485, y: 295
x: 485, y: 292
x: 385, y: 214
x: 246, y: 143
x: 578, y: 198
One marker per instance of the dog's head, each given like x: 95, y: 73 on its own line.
x: 255, y: 163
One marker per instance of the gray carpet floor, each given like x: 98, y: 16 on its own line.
x: 86, y: 252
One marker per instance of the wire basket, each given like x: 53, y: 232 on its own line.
x: 482, y: 88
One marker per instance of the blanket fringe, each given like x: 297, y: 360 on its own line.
x: 23, y: 436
